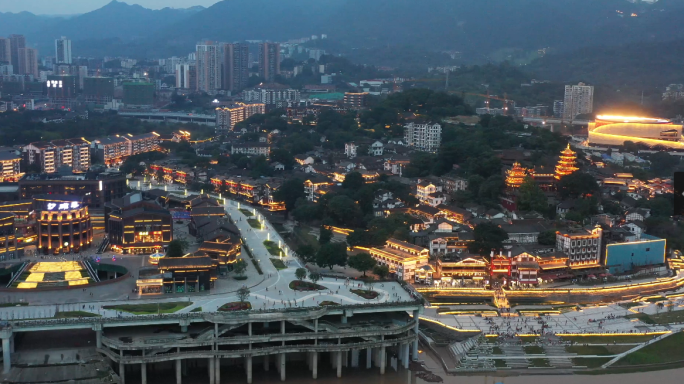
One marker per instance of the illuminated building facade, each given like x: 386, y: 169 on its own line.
x: 515, y: 176
x: 8, y: 241
x: 401, y: 257
x: 582, y: 247
x: 227, y: 117
x: 136, y: 226
x: 10, y: 170
x: 115, y: 149
x: 94, y: 189
x: 63, y: 223
x: 73, y: 153
x: 615, y: 130
x: 566, y: 164
x: 189, y: 273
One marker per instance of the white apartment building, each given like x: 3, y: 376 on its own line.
x: 252, y: 149
x: 579, y: 99
x: 73, y: 153
x: 350, y: 150
x: 186, y: 77
x: 271, y: 96
x: 208, y: 66
x: 63, y: 50
x: 582, y: 247
x: 376, y: 149
x: 423, y: 137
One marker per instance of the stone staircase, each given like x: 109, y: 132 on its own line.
x: 515, y: 350
x: 558, y: 352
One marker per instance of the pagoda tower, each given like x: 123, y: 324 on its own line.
x: 515, y: 176
x: 566, y: 163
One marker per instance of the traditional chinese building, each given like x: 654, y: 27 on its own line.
x: 567, y: 163
x: 135, y: 225
x: 515, y: 176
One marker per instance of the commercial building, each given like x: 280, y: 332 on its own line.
x: 138, y: 95
x: 208, y: 67
x: 63, y: 224
x: 98, y: 90
x: 632, y: 256
x: 186, y: 76
x: 615, y: 130
x: 402, y: 258
x: 63, y: 50
x: 136, y: 226
x: 235, y: 67
x: 426, y: 137
x: 62, y: 89
x: 10, y: 170
x: 115, y: 149
x: 17, y: 42
x: 28, y: 62
x: 579, y: 100
x: 72, y: 153
x: 269, y: 61
x: 95, y: 189
x: 355, y: 100
x: 581, y: 246
x: 8, y: 241
x: 227, y: 117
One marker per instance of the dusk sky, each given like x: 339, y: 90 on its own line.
x: 68, y: 7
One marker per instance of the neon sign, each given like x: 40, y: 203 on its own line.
x: 54, y: 83
x: 63, y: 206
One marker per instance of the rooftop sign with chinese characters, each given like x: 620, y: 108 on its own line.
x: 63, y: 206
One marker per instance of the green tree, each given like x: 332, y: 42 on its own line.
x: 547, y: 238
x: 332, y: 254
x: 289, y: 193
x: 307, y: 252
x: 300, y: 274
x: 243, y: 294
x: 362, y: 262
x: 344, y: 211
x: 177, y: 248
x: 353, y: 181
x: 240, y: 267
x: 382, y: 271
x: 324, y: 235
x: 531, y: 197
x: 315, y: 277
x: 577, y: 184
x: 487, y: 236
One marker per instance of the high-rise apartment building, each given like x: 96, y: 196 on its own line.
x: 208, y: 67
x: 269, y: 61
x: 186, y: 76
x: 5, y: 50
x: 98, y: 90
x: 579, y: 99
x: 423, y: 137
x: 63, y: 50
x: 235, y: 66
x: 28, y: 61
x: 16, y: 42
x: 272, y: 94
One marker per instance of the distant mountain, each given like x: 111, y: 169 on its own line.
x: 482, y: 30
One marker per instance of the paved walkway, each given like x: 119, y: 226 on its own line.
x: 270, y: 290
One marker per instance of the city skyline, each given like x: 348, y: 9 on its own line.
x: 74, y: 7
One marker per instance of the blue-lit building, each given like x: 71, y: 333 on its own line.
x: 626, y: 257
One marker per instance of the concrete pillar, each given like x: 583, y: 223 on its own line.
x: 216, y: 333
x: 143, y: 372
x: 344, y: 318
x: 282, y: 363
x: 405, y: 355
x: 178, y: 371
x: 416, y: 313
x: 248, y: 367
x: 339, y: 364
x: 217, y: 366
x: 314, y: 365
x: 383, y: 360
x: 211, y: 370
x: 355, y: 358
x: 122, y: 373
x: 266, y: 363
x: 369, y: 358
x: 184, y: 328
x: 6, y: 355
x: 249, y: 328
x: 98, y: 338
